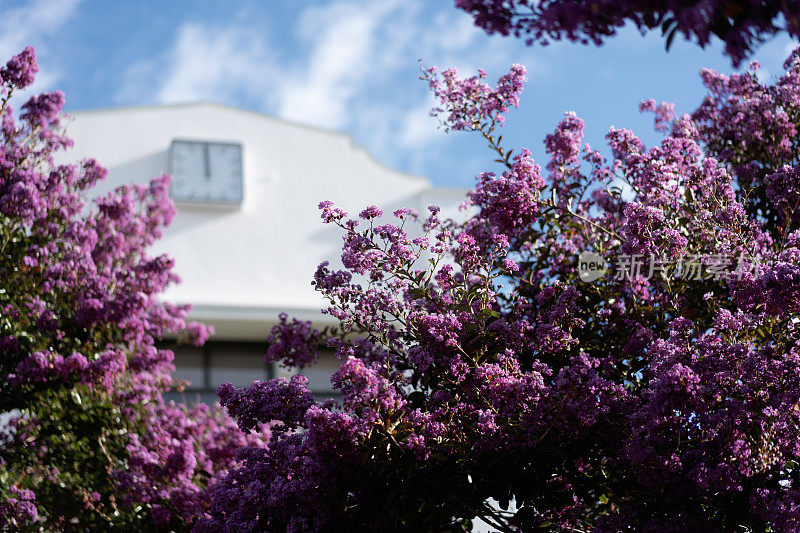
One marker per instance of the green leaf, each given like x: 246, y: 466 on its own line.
x: 416, y: 293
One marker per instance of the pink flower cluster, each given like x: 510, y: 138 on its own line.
x: 479, y: 368
x: 80, y: 316
x: 468, y: 103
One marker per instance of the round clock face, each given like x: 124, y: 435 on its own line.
x: 206, y: 172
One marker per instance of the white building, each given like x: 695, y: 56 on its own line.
x: 248, y: 237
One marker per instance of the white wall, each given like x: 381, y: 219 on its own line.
x: 241, y: 266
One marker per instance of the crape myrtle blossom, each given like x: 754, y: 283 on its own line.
x: 740, y: 24
x: 18, y: 508
x: 293, y: 344
x: 510, y: 201
x: 197, y: 333
x: 91, y: 443
x: 477, y: 367
x: 178, y: 445
x: 753, y: 129
x: 468, y: 103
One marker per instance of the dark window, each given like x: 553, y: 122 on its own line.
x: 240, y: 363
x: 215, y: 363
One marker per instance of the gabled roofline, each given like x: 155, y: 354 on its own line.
x: 355, y: 146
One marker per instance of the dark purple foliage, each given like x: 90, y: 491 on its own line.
x: 481, y: 376
x: 740, y: 24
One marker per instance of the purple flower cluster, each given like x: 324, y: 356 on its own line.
x: 293, y: 344
x: 20, y: 71
x: 178, y: 445
x: 468, y: 103
x: 42, y: 367
x: 647, y: 232
x: 17, y: 509
x: 281, y: 487
x: 80, y: 316
x: 43, y: 109
x: 751, y: 128
x: 479, y: 368
x: 284, y: 400
x: 740, y: 24
x: 664, y: 112
x: 198, y: 333
x: 510, y: 201
x: 364, y: 389
x: 783, y: 191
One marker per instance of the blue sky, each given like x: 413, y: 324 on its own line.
x: 352, y: 66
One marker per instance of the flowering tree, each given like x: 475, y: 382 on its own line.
x: 88, y: 443
x: 740, y: 24
x: 486, y: 373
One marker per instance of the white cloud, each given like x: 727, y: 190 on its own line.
x: 352, y: 66
x: 208, y: 62
x: 19, y: 26
x: 771, y: 55
x: 417, y: 127
x: 27, y: 25
x: 345, y: 43
x: 357, y: 52
x: 205, y: 63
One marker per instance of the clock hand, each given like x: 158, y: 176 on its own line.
x: 206, y: 166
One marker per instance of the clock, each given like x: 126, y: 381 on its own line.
x: 206, y: 172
